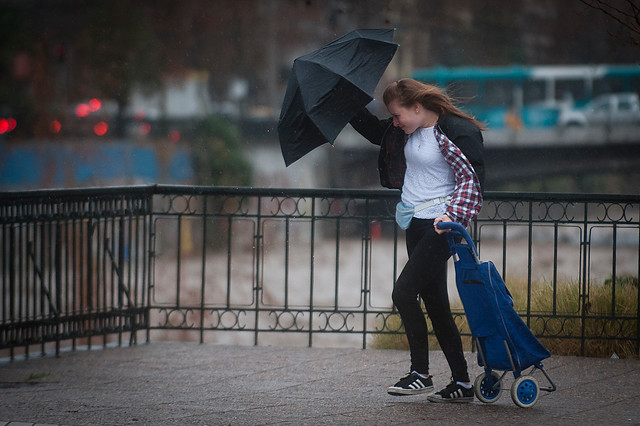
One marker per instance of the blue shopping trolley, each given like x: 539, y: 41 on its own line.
x: 503, y: 340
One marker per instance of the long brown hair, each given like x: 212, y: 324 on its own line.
x: 409, y: 92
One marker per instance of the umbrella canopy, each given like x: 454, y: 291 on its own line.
x: 329, y: 86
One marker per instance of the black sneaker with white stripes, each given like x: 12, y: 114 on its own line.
x: 412, y: 384
x: 454, y: 392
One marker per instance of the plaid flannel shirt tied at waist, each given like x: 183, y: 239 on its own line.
x: 466, y: 200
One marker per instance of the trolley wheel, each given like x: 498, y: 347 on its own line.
x: 525, y: 391
x: 487, y: 390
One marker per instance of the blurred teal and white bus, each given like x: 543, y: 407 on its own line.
x: 535, y: 95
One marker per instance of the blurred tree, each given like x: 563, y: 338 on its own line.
x: 120, y: 49
x: 219, y: 160
x: 626, y: 13
x: 15, y: 67
x: 218, y: 154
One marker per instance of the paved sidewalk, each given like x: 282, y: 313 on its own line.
x: 186, y: 383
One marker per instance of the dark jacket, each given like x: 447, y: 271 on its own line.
x: 391, y: 161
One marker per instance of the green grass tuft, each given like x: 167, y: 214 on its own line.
x: 37, y: 376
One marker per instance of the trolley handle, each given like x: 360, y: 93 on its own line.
x: 457, y: 230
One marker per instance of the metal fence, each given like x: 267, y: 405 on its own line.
x: 270, y: 266
x: 75, y: 265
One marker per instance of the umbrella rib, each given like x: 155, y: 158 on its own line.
x: 340, y: 75
x: 330, y: 70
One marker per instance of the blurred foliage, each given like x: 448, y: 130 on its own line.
x: 122, y: 49
x: 218, y: 154
x: 14, y: 87
x: 627, y: 15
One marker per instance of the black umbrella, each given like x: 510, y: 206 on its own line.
x: 329, y: 86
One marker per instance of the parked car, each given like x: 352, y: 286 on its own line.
x: 613, y: 108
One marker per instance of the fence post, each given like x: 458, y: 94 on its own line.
x: 638, y: 299
x: 365, y: 273
x: 311, y: 270
x: 204, y: 265
x: 257, y: 238
x: 58, y: 284
x: 584, y: 295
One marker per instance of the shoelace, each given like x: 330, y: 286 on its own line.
x: 419, y: 375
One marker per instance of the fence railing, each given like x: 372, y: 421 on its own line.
x: 307, y: 266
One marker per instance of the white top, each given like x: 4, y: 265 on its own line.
x: 428, y: 174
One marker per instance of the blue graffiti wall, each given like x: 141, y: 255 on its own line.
x: 36, y: 165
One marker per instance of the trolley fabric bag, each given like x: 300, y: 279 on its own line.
x: 503, y: 340
x: 493, y: 320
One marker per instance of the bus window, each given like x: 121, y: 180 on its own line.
x: 609, y: 85
x: 499, y: 93
x: 533, y: 92
x: 572, y: 89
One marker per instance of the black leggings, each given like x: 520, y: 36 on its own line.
x: 425, y: 275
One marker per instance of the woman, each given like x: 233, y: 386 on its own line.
x: 432, y: 151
